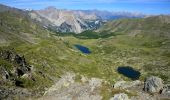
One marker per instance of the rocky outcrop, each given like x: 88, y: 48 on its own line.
x: 11, y: 93
x: 125, y: 84
x: 66, y: 88
x: 19, y: 62
x: 153, y: 84
x: 143, y: 90
x: 120, y: 96
x: 14, y: 71
x: 14, y: 67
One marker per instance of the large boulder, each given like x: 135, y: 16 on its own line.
x: 153, y: 84
x: 120, y: 96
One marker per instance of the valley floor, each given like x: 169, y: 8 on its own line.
x: 51, y: 58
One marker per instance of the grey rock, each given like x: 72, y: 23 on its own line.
x: 7, y: 93
x: 165, y: 92
x: 125, y: 84
x: 67, y: 89
x: 61, y: 20
x: 121, y: 96
x: 12, y: 57
x: 153, y: 84
x: 95, y: 82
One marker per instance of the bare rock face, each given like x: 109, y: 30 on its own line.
x: 66, y: 88
x: 63, y: 20
x: 120, y: 96
x: 153, y: 84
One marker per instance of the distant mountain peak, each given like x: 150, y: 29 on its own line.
x: 64, y: 20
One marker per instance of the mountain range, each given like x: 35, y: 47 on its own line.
x: 77, y: 21
x: 42, y: 55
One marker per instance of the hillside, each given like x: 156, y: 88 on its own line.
x: 38, y: 64
x: 16, y: 26
x: 156, y: 26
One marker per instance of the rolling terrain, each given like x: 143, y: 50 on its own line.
x: 156, y: 26
x: 36, y: 63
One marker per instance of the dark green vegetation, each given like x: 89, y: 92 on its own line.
x: 89, y: 34
x: 141, y: 43
x: 94, y: 35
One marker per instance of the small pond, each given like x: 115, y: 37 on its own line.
x: 129, y: 72
x: 83, y: 49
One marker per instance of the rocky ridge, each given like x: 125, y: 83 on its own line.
x: 66, y: 20
x: 76, y: 20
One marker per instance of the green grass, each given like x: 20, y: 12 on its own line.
x: 5, y: 64
x: 53, y: 55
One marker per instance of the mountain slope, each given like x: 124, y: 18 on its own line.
x: 77, y: 20
x: 65, y: 20
x: 30, y: 64
x: 156, y: 26
x: 16, y: 25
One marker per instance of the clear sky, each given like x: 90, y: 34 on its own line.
x: 143, y: 6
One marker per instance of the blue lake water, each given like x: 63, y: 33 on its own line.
x: 83, y: 49
x: 129, y: 72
